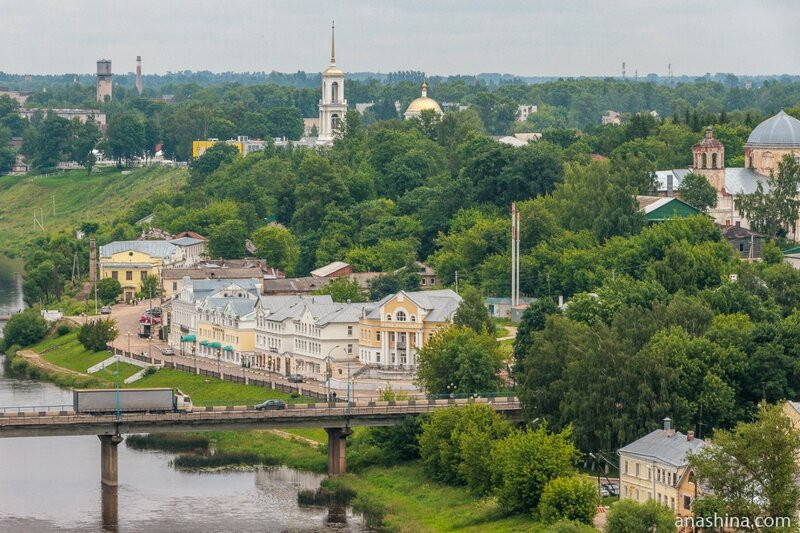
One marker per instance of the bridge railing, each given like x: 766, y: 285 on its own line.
x: 35, y: 408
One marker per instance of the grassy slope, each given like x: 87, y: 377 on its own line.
x: 78, y: 197
x: 67, y: 352
x: 411, y: 502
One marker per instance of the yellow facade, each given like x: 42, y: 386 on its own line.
x: 241, y: 340
x: 200, y: 147
x: 129, y: 267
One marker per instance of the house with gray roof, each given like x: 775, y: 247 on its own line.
x: 655, y: 467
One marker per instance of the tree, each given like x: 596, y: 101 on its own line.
x: 628, y: 516
x: 108, y: 290
x: 96, y: 334
x: 459, y: 360
x: 52, y: 141
x: 752, y: 468
x: 471, y: 313
x: 126, y: 136
x: 774, y: 211
x: 453, y: 444
x: 149, y: 287
x: 697, y: 192
x: 227, y: 240
x: 216, y: 156
x: 277, y: 246
x: 84, y: 140
x: 286, y: 122
x: 525, y: 461
x: 343, y: 290
x: 24, y: 329
x: 571, y: 498
x: 403, y: 280
x: 533, y: 320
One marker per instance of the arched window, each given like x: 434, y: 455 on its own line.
x: 714, y: 160
x: 413, y: 318
x: 335, y: 121
x: 335, y: 92
x: 389, y: 318
x: 705, y: 163
x: 401, y: 316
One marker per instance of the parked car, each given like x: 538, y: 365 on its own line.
x: 105, y: 310
x: 295, y: 378
x: 270, y: 405
x: 168, y: 350
x: 154, y: 311
x: 608, y: 489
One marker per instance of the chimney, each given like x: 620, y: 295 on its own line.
x: 669, y: 186
x: 92, y: 261
x: 560, y: 301
x: 738, y: 223
x: 709, y: 133
x: 667, y: 424
x: 139, y: 75
x: 690, y: 436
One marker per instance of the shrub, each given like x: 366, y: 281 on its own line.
x: 571, y: 498
x: 525, y: 461
x: 628, y: 516
x: 24, y: 328
x: 62, y: 330
x: 96, y: 335
x: 108, y: 289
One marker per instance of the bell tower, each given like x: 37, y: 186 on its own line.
x: 332, y: 105
x: 709, y: 160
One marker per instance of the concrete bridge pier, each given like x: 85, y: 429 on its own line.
x: 109, y: 466
x: 337, y: 457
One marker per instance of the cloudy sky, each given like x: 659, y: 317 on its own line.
x: 526, y: 37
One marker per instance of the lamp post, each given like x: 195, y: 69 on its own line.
x: 219, y: 362
x: 194, y: 355
x: 128, y: 334
x: 328, y: 374
x: 451, y: 389
x: 149, y: 347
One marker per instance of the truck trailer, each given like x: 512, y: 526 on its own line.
x: 104, y: 401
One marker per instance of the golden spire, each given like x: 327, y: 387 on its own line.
x: 333, y: 47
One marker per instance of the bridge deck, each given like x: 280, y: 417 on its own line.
x: 57, y: 423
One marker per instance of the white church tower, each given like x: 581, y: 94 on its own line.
x: 332, y: 106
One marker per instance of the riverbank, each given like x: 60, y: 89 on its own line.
x: 402, y: 496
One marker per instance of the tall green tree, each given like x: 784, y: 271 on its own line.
x: 774, y: 210
x: 24, y: 329
x: 697, y: 192
x: 629, y: 516
x: 126, y: 136
x: 277, y: 246
x: 227, y: 240
x: 472, y: 314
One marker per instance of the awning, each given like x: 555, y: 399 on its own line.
x: 215, y: 345
x: 188, y: 338
x: 203, y: 343
x: 228, y: 348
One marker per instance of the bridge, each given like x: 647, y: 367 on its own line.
x: 336, y: 418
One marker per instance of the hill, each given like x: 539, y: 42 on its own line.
x: 77, y: 197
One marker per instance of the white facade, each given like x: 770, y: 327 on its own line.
x: 523, y: 110
x: 332, y: 105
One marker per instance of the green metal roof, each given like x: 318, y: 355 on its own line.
x: 203, y: 343
x: 228, y: 348
x: 189, y: 338
x: 795, y: 250
x: 215, y: 345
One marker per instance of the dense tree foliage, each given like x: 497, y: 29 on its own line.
x: 24, y: 329
x: 343, y: 290
x: 569, y: 498
x: 697, y: 192
x: 96, y: 334
x: 628, y: 516
x: 773, y: 211
x: 472, y: 314
x: 108, y: 290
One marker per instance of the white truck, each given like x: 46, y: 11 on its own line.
x: 104, y: 401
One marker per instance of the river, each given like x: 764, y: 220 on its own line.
x: 10, y: 287
x: 53, y: 483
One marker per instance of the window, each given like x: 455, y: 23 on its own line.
x: 378, y: 336
x: 389, y: 318
x: 687, y: 502
x: 637, y: 475
x: 423, y: 282
x: 114, y: 274
x: 350, y: 348
x: 401, y: 316
x: 129, y: 275
x: 413, y: 318
x: 143, y: 275
x: 714, y: 160
x: 626, y: 467
x: 705, y: 161
x: 741, y: 247
x: 349, y: 331
x: 433, y: 281
x: 174, y: 285
x: 391, y: 336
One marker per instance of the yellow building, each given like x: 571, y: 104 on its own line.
x: 655, y: 467
x: 394, y: 330
x: 244, y: 144
x: 226, y: 329
x: 130, y: 262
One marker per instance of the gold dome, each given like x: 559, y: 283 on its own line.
x: 333, y: 70
x: 421, y: 104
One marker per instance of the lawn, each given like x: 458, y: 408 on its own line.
x: 411, y: 502
x: 266, y: 444
x: 78, y: 198
x: 67, y: 352
x: 205, y: 390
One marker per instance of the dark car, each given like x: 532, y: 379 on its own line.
x: 271, y: 404
x: 295, y: 378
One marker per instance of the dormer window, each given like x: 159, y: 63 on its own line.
x: 401, y: 316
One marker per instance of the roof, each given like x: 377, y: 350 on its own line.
x: 322, y: 308
x: 424, y: 269
x: 163, y: 249
x: 739, y: 232
x: 670, y: 447
x: 506, y: 300
x: 327, y: 270
x: 191, y: 234
x: 792, y: 251
x: 666, y: 207
x: 294, y: 285
x: 737, y: 180
x: 708, y: 141
x: 211, y: 273
x: 186, y: 241
x: 779, y: 131
x: 439, y: 304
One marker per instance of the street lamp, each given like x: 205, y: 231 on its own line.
x: 451, y: 389
x: 194, y: 355
x: 328, y: 373
x: 128, y: 334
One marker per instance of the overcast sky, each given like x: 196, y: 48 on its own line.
x: 526, y: 37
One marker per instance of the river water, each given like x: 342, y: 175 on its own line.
x: 10, y: 287
x: 53, y: 483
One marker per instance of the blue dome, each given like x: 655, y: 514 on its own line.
x: 780, y: 131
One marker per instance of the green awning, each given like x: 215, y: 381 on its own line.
x: 188, y: 338
x: 215, y: 345
x: 203, y: 343
x: 228, y: 348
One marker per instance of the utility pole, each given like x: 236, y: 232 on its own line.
x: 456, y: 281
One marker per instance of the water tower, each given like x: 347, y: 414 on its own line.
x: 103, y: 80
